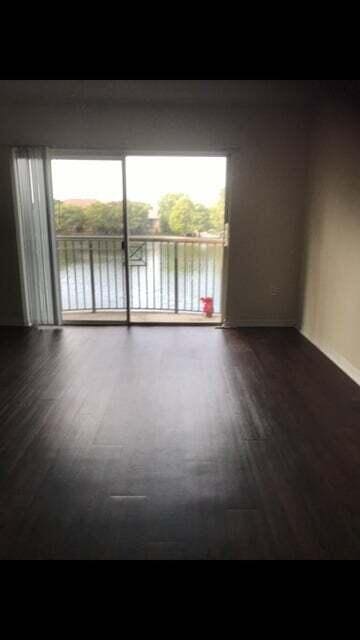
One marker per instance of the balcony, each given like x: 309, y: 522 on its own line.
x: 168, y: 276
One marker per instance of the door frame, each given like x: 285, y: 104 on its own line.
x: 121, y: 154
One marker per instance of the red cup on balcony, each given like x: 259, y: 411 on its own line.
x: 208, y: 306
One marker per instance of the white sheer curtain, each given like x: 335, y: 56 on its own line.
x: 34, y: 226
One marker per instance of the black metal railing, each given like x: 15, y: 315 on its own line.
x: 166, y: 273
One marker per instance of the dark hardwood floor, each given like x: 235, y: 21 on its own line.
x: 176, y: 443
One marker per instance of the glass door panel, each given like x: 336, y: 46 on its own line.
x: 175, y: 213
x: 89, y: 227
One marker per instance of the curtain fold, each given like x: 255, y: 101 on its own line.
x: 34, y: 231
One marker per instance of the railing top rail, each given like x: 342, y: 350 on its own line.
x: 175, y: 239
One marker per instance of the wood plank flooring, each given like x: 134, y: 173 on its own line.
x: 175, y: 443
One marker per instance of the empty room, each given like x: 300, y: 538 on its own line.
x: 179, y: 313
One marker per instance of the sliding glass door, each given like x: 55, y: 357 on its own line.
x: 119, y: 239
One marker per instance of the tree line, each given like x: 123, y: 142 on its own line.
x: 178, y: 215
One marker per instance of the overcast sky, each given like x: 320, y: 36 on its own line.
x: 148, y: 178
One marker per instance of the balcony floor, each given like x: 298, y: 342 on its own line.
x: 140, y: 316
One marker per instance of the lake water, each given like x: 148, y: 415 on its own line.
x: 152, y: 274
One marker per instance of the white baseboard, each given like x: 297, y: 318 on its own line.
x: 336, y: 358
x: 258, y: 322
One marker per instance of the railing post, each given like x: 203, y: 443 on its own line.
x: 176, y: 277
x: 92, y: 276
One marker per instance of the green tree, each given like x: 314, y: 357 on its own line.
x: 70, y: 219
x: 182, y: 217
x: 57, y: 213
x: 138, y: 217
x: 216, y: 217
x: 201, y: 218
x: 166, y: 205
x: 107, y: 218
x: 104, y: 218
x: 100, y: 218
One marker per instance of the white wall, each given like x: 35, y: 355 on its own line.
x: 268, y: 187
x: 330, y: 315
x: 269, y: 147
